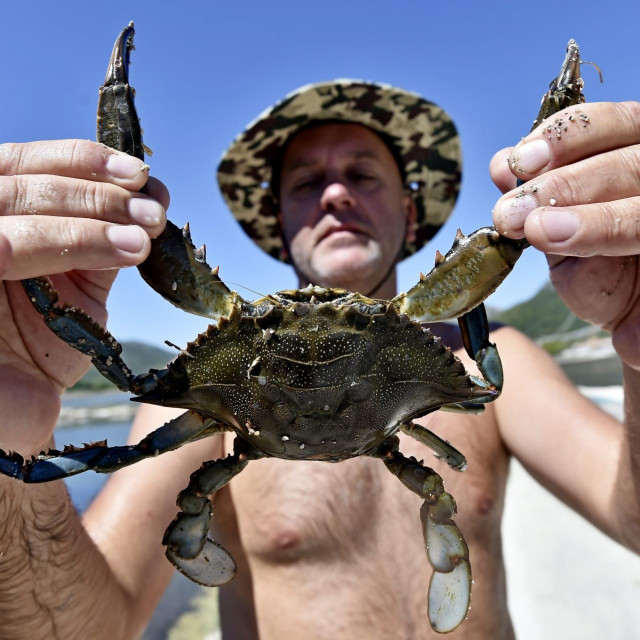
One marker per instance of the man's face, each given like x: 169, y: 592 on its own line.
x: 344, y: 210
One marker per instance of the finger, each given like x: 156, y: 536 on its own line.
x: 604, y: 229
x: 584, y: 182
x: 74, y: 159
x: 156, y: 189
x: 5, y: 254
x: 500, y: 171
x: 44, y: 245
x: 73, y: 197
x: 626, y: 339
x: 574, y: 134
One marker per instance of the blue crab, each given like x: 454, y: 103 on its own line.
x: 311, y: 374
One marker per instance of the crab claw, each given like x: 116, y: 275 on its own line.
x: 179, y: 273
x: 175, y: 268
x: 118, y: 126
x: 470, y: 272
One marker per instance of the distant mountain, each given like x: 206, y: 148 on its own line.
x: 138, y: 356
x: 542, y: 315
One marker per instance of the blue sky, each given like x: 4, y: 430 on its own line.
x: 203, y: 70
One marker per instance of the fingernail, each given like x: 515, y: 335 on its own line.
x: 559, y: 225
x: 123, y: 166
x: 145, y: 211
x: 531, y: 156
x: 131, y: 239
x: 514, y: 211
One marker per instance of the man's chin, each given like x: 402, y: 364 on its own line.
x: 344, y: 268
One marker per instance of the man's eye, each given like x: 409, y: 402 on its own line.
x: 363, y: 177
x: 306, y: 184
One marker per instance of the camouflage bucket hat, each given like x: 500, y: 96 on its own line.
x: 423, y: 138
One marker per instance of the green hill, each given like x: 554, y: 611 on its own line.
x: 138, y: 356
x: 542, y: 315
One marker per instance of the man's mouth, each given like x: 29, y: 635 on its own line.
x: 345, y: 230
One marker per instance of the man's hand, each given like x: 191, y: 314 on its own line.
x: 70, y: 208
x: 581, y: 206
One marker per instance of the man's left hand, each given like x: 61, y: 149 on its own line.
x: 581, y: 206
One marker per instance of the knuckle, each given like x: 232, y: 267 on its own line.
x: 9, y: 195
x: 72, y: 233
x: 606, y: 224
x: 79, y: 152
x: 20, y: 196
x: 618, y: 222
x: 11, y: 158
x: 28, y: 194
x: 629, y: 113
x: 562, y: 186
x: 90, y: 196
x: 99, y: 200
x: 629, y: 161
x: 20, y: 199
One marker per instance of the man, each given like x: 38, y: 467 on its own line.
x: 322, y: 550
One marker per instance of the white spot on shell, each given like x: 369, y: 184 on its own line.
x: 302, y: 445
x: 285, y: 438
x: 174, y: 286
x: 552, y: 202
x: 262, y: 380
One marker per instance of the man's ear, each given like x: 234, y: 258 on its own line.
x: 411, y: 218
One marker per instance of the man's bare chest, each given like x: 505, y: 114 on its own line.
x: 294, y: 510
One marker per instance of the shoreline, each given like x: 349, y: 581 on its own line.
x: 75, y: 416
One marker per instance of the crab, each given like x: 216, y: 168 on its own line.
x: 310, y: 374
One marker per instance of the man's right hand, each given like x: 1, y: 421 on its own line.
x: 70, y: 208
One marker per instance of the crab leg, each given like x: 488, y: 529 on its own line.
x: 450, y: 585
x: 98, y: 457
x: 175, y: 268
x: 474, y: 327
x: 565, y: 89
x: 83, y: 333
x: 189, y: 548
x: 442, y: 449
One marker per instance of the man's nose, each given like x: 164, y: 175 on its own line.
x: 337, y: 197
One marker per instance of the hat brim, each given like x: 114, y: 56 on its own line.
x: 423, y: 136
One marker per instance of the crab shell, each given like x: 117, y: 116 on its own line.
x: 315, y: 374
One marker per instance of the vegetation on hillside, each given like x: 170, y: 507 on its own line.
x: 542, y: 315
